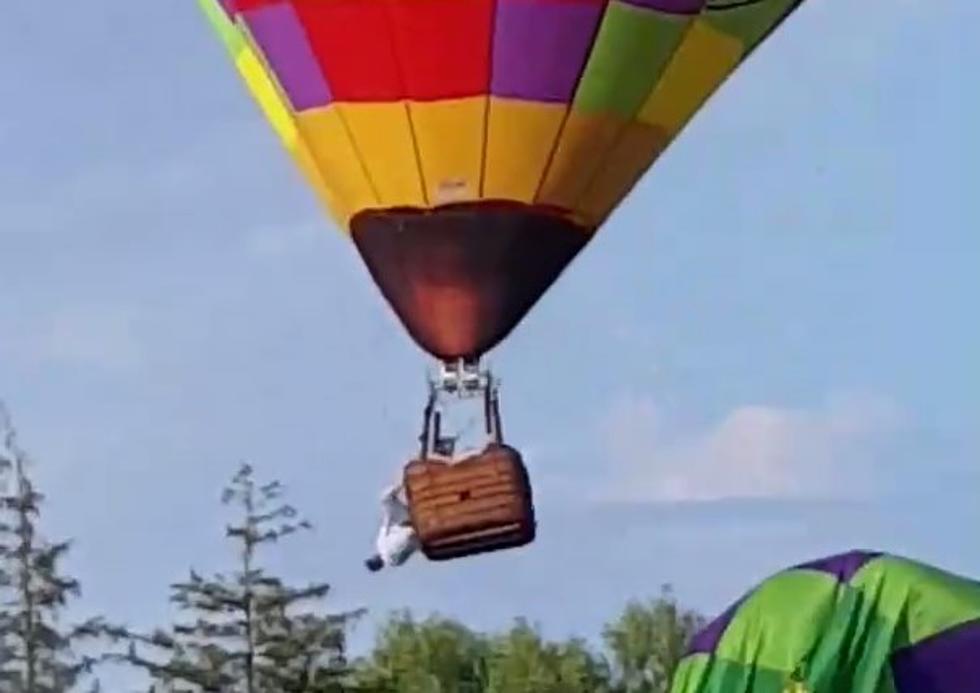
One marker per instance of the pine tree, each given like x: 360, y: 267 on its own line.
x: 37, y: 653
x: 241, y: 633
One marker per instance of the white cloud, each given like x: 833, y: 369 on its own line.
x: 755, y: 451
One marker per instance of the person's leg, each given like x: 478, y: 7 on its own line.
x: 404, y: 543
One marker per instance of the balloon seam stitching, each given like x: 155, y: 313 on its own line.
x: 357, y: 152
x: 486, y: 107
x: 571, y: 101
x: 342, y: 117
x: 621, y: 134
x: 406, y: 102
x: 273, y: 77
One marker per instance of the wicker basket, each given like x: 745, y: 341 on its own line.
x: 479, y: 504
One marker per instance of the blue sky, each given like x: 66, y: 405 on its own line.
x: 768, y: 354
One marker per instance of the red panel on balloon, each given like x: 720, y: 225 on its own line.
x: 443, y: 46
x: 352, y: 42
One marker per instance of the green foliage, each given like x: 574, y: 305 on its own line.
x: 438, y: 655
x: 434, y: 656
x: 522, y: 661
x: 38, y: 654
x: 647, y: 642
x: 241, y: 632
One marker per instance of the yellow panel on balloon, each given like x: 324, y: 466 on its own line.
x: 701, y: 63
x: 582, y: 145
x: 520, y: 138
x: 341, y: 170
x: 265, y: 93
x: 637, y: 148
x: 383, y: 139
x: 277, y: 111
x: 337, y: 207
x: 449, y: 135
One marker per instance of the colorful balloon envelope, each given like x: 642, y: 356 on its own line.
x: 471, y: 148
x: 856, y: 622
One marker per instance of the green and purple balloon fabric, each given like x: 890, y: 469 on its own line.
x: 859, y: 622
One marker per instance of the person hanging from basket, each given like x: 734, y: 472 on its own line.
x: 397, y: 540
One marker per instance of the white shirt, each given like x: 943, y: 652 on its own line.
x: 397, y: 540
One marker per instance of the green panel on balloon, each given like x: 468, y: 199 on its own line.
x: 223, y: 26
x: 707, y: 674
x: 631, y: 50
x: 749, y: 22
x: 776, y: 604
x: 951, y: 599
x: 816, y: 619
x: 841, y: 661
x: 853, y: 622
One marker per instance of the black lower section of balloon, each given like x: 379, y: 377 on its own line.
x: 462, y: 277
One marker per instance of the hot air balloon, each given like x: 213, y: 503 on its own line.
x: 858, y: 621
x: 471, y: 148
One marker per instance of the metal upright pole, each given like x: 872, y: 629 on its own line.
x: 498, y: 427
x: 426, y: 423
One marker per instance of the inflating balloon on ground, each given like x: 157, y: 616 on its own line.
x: 860, y: 621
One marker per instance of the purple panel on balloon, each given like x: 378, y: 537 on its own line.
x: 670, y: 6
x: 706, y: 640
x: 540, y: 47
x: 278, y: 32
x: 948, y: 662
x: 843, y: 566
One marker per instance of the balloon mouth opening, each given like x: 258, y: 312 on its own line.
x: 461, y: 276
x: 482, y: 206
